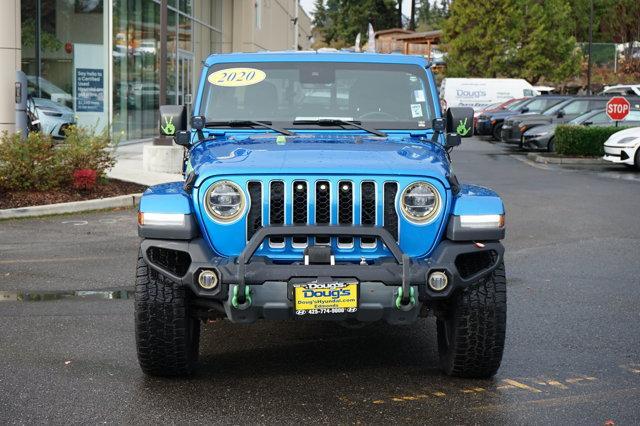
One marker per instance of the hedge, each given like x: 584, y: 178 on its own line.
x: 583, y: 140
x: 39, y: 163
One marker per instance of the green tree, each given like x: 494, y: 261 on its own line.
x: 622, y: 23
x: 530, y: 39
x: 479, y: 37
x: 344, y: 19
x: 545, y: 47
x: 429, y: 16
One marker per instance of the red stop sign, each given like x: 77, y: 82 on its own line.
x: 618, y: 108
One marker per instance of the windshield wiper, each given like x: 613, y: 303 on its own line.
x: 339, y: 122
x: 249, y: 123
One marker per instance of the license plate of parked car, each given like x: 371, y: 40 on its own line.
x: 337, y: 297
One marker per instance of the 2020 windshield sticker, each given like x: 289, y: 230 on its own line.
x: 236, y: 77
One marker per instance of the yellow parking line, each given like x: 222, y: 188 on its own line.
x: 574, y: 380
x: 519, y: 385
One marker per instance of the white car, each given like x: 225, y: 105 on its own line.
x: 623, y: 147
x: 622, y: 89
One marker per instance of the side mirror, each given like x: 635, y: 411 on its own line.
x: 560, y: 113
x: 524, y: 109
x: 460, y: 121
x: 453, y: 140
x: 173, y: 118
x: 182, y: 138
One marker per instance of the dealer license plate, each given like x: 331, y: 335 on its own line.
x: 326, y: 298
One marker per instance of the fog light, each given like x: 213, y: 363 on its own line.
x: 208, y: 280
x: 438, y: 281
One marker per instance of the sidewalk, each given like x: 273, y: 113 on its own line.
x: 129, y: 166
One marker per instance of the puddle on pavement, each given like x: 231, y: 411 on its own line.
x: 46, y: 296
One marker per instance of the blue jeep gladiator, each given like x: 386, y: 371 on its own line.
x: 318, y: 186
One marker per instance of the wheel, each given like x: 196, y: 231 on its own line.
x: 497, y: 130
x: 471, y: 332
x: 167, y: 336
x: 636, y: 159
x: 551, y: 146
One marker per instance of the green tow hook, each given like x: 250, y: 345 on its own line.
x: 247, y: 298
x: 412, y: 300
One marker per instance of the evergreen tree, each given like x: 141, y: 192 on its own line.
x: 319, y: 14
x: 511, y: 38
x: 478, y: 36
x: 545, y: 46
x: 344, y: 19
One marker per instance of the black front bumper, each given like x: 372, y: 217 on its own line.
x: 510, y: 134
x: 484, y: 127
x: 463, y: 262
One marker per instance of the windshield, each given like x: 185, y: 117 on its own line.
x: 541, y: 103
x: 556, y: 107
x: 382, y: 96
x: 582, y: 117
x: 516, y: 104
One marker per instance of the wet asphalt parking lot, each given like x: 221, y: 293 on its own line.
x: 67, y: 352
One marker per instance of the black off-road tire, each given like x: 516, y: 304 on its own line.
x: 497, y: 132
x: 167, y: 336
x: 471, y: 332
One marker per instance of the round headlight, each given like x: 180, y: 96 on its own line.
x: 224, y: 201
x: 420, y: 202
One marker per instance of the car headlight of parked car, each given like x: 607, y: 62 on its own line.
x: 224, y: 201
x: 628, y: 140
x: 420, y: 202
x: 51, y: 113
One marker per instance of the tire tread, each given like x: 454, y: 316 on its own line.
x: 165, y: 344
x: 479, y: 315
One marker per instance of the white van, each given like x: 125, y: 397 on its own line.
x: 478, y: 93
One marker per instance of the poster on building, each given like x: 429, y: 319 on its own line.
x: 89, y: 90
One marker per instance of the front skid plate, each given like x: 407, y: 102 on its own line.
x: 271, y: 301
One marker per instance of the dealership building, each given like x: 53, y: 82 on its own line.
x: 102, y: 58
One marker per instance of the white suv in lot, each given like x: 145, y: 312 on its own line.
x: 623, y: 147
x: 622, y: 89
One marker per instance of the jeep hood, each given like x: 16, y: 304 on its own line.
x: 321, y: 154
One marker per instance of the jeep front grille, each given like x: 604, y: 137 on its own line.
x: 321, y: 202
x: 390, y: 214
x: 276, y: 209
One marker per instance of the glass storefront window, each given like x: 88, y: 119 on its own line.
x: 136, y: 89
x: 75, y: 62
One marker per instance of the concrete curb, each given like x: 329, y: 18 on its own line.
x: 130, y: 200
x: 548, y: 159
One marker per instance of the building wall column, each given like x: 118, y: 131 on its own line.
x: 10, y: 60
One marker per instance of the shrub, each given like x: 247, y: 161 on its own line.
x: 583, y: 140
x: 85, y: 149
x: 32, y: 163
x: 37, y: 163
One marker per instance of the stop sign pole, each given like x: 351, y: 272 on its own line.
x: 618, y: 108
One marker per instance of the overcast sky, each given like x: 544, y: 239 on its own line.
x: 308, y: 6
